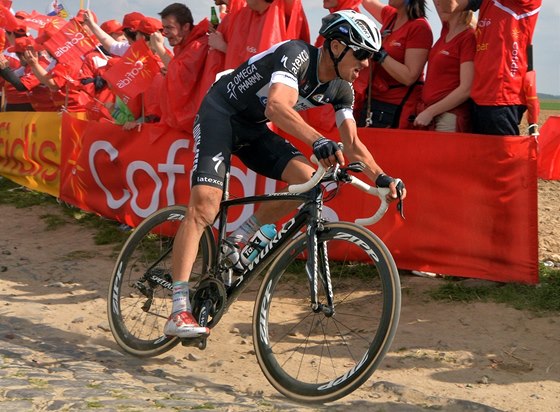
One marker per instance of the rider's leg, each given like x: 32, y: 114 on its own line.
x: 203, y: 208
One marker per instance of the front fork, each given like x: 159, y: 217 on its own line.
x: 317, y: 267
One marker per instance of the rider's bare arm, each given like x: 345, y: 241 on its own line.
x: 280, y: 110
x: 356, y: 151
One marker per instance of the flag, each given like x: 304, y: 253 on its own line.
x: 7, y: 20
x: 69, y: 44
x: 37, y: 20
x: 56, y: 8
x: 134, y: 72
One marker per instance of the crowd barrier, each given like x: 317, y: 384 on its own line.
x: 471, y: 209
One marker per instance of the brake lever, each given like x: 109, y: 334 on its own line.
x: 400, y: 204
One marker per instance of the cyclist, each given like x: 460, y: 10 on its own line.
x: 272, y: 86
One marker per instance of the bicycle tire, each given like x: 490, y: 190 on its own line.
x: 138, y: 307
x: 308, y: 356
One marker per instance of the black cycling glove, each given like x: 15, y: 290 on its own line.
x: 380, y: 55
x: 324, y: 148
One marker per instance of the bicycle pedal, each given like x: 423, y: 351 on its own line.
x: 199, y: 342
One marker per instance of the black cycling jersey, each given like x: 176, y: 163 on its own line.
x: 294, y: 63
x: 231, y: 118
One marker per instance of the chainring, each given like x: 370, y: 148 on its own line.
x: 209, y: 302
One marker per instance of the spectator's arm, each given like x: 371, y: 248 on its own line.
x: 455, y: 98
x: 105, y: 39
x: 216, y: 41
x: 449, y: 6
x: 157, y: 44
x: 8, y: 74
x: 374, y: 8
x: 409, y: 72
x: 32, y: 59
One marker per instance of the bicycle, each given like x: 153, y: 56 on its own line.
x: 318, y: 333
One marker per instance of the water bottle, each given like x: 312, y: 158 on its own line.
x: 257, y: 243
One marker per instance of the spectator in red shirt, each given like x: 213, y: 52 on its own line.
x: 113, y: 29
x: 449, y: 76
x: 39, y: 94
x: 396, y: 74
x: 505, y: 30
x: 15, y: 100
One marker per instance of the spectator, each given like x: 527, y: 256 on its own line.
x: 449, y: 77
x: 396, y: 75
x: 113, y: 29
x: 334, y: 6
x: 15, y: 100
x: 129, y: 27
x: 505, y: 30
x: 149, y: 101
x: 264, y: 23
x: 39, y: 94
x: 181, y: 94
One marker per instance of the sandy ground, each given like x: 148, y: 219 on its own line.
x: 487, y: 353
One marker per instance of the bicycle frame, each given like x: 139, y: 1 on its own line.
x: 309, y: 214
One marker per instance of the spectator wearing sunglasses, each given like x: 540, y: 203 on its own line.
x: 396, y: 75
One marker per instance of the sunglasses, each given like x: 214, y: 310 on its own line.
x: 359, y: 54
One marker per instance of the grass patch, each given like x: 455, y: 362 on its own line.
x: 105, y: 231
x: 53, y: 222
x: 541, y: 298
x: 20, y: 196
x: 550, y: 104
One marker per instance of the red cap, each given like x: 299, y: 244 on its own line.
x: 80, y: 16
x: 149, y: 25
x: 22, y: 44
x: 131, y: 21
x: 111, y: 26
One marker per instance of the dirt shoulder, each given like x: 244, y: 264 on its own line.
x: 443, y: 352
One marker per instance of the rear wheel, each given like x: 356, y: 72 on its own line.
x: 315, y: 355
x: 140, y: 294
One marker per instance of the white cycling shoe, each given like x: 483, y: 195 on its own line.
x: 184, y: 325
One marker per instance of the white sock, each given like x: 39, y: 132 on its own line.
x: 180, y: 298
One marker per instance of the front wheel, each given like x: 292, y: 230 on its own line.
x: 140, y: 292
x: 318, y: 356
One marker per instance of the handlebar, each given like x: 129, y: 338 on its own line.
x: 380, y: 192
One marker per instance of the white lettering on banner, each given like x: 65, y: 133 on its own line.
x: 107, y: 147
x: 171, y: 169
x: 78, y: 37
x: 129, y: 76
x: 154, y: 203
x: 247, y: 178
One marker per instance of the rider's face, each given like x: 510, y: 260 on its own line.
x: 349, y: 67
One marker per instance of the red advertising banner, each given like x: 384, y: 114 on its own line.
x: 30, y: 150
x: 471, y: 209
